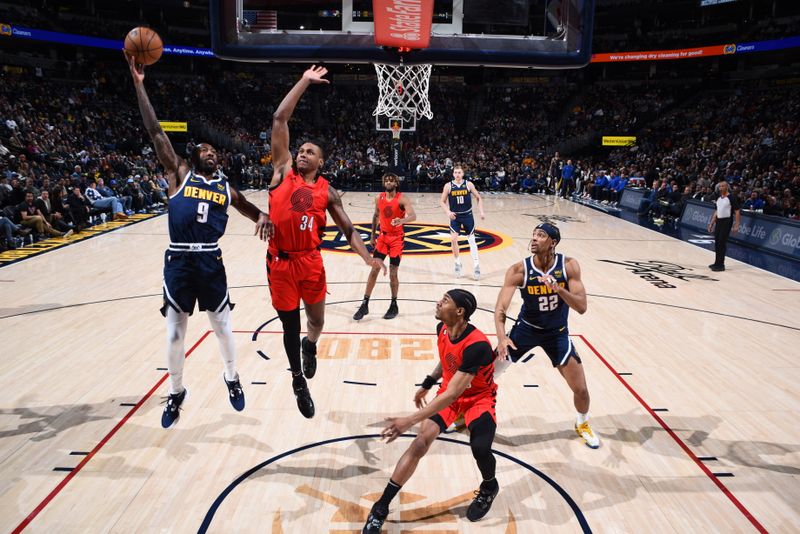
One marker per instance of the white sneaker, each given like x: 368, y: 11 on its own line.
x: 476, y: 274
x: 458, y: 270
x: 585, y: 432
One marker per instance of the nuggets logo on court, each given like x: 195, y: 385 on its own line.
x: 420, y: 239
x: 301, y: 200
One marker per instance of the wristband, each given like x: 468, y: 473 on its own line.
x: 429, y: 382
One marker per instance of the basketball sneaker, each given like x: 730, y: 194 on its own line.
x: 458, y: 425
x: 361, y: 312
x: 235, y: 393
x: 476, y: 274
x: 304, y: 401
x: 585, y: 432
x: 392, y: 312
x: 482, y: 503
x: 309, y: 351
x: 172, y: 410
x: 375, y: 520
x: 458, y: 269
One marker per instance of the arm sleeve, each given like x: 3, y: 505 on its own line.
x: 477, y: 355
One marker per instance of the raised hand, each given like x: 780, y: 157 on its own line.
x: 315, y: 74
x: 137, y: 71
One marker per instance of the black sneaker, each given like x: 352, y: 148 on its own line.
x: 481, y: 503
x: 309, y: 351
x: 392, y: 312
x: 362, y: 311
x: 304, y: 402
x: 172, y: 410
x: 375, y: 520
x: 717, y: 268
x: 235, y: 393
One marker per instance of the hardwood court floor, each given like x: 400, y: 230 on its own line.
x: 694, y: 393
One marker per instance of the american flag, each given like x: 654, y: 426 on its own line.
x: 261, y: 20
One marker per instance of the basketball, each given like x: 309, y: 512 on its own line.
x: 144, y: 44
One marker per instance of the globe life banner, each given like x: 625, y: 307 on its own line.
x: 764, y: 232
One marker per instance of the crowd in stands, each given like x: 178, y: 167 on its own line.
x: 57, y: 136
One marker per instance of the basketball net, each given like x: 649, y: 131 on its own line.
x: 403, y: 91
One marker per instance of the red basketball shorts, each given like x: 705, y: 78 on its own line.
x: 390, y: 245
x: 471, y: 408
x: 295, y: 277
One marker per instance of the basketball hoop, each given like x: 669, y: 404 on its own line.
x: 403, y: 91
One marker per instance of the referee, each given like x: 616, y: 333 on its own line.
x: 727, y: 206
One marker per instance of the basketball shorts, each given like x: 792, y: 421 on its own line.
x: 389, y: 245
x: 463, y: 224
x: 294, y: 277
x: 470, y: 407
x: 555, y: 343
x: 191, y: 277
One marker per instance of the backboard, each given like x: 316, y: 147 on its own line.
x: 502, y: 33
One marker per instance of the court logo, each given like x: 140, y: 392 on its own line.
x: 415, y: 509
x: 553, y: 219
x: 654, y: 270
x: 420, y: 239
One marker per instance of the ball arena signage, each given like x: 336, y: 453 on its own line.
x: 421, y: 239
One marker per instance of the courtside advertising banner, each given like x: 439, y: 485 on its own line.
x: 765, y: 232
x: 631, y: 198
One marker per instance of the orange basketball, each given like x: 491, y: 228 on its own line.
x: 144, y: 44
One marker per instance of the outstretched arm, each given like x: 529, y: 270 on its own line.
x: 281, y: 157
x: 346, y: 226
x: 264, y: 228
x: 514, y: 278
x: 174, y: 165
x: 397, y: 425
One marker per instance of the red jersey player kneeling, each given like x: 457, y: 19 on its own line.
x: 466, y: 367
x: 298, y: 199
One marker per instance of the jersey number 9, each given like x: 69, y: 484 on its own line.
x: 202, y: 212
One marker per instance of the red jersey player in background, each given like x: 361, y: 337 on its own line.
x: 466, y: 367
x: 393, y: 209
x: 298, y: 198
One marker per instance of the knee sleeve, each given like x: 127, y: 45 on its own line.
x: 221, y: 324
x: 291, y: 337
x: 481, y: 437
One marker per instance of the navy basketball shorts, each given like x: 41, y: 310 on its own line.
x: 463, y: 224
x: 555, y: 343
x: 191, y: 277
